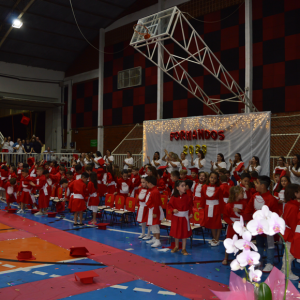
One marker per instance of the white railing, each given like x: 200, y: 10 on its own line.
x: 15, y: 158
x: 137, y: 160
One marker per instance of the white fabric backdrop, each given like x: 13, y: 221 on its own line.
x: 248, y: 134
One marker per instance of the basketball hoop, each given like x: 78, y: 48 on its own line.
x: 145, y: 34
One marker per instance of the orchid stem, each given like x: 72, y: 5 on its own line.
x: 247, y: 275
x: 286, y: 266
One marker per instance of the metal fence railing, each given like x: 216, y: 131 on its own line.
x: 15, y: 158
x: 65, y: 158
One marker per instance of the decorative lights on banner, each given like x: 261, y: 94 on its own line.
x: 217, y: 123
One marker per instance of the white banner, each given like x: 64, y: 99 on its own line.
x: 247, y: 134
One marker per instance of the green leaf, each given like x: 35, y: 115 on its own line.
x: 264, y: 292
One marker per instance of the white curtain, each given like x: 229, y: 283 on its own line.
x: 248, y: 134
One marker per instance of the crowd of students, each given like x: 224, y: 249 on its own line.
x: 221, y: 194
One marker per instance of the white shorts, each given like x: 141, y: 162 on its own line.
x: 93, y: 208
x: 155, y: 228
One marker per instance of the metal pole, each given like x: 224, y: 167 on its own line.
x: 248, y: 52
x: 100, y: 130
x: 69, y: 125
x: 160, y: 73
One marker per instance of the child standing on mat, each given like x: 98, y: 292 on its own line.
x: 93, y: 202
x: 155, y: 211
x: 143, y: 210
x: 11, y: 191
x: 77, y: 202
x: 213, y: 204
x: 257, y: 201
x: 182, y: 209
x: 233, y: 210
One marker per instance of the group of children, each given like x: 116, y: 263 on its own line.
x: 82, y: 187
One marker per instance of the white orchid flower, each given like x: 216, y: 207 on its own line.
x: 254, y: 275
x: 245, y: 243
x: 239, y: 227
x: 248, y: 258
x: 235, y: 266
x: 263, y: 213
x: 258, y: 226
x: 276, y: 224
x: 229, y: 244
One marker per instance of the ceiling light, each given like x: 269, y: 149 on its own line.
x: 17, y: 23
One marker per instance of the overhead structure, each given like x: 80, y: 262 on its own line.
x: 172, y: 24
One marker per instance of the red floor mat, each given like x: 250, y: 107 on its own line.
x: 15, y: 235
x: 180, y: 282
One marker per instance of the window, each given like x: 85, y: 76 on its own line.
x: 130, y: 77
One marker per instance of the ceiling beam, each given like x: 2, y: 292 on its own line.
x: 76, y: 9
x: 43, y: 45
x: 19, y: 17
x: 36, y: 57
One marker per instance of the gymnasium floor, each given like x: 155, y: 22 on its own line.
x: 128, y: 268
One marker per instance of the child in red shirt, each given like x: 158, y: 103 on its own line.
x: 182, y: 210
x: 183, y: 175
x: 124, y: 186
x: 213, y: 203
x: 233, y: 210
x: 188, y: 185
x: 93, y: 201
x: 155, y: 212
x: 135, y: 180
x: 11, y: 189
x: 142, y: 212
x: 279, y: 192
x: 292, y: 220
x: 245, y: 184
x: 224, y: 187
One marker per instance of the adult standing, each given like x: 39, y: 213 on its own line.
x: 254, y: 165
x: 47, y: 156
x: 11, y: 143
x: 16, y: 144
x: 109, y: 159
x: 19, y: 149
x: 36, y: 147
x: 200, y: 161
x: 96, y: 159
x: 156, y: 161
x: 280, y: 166
x: 236, y: 162
x: 294, y: 170
x: 28, y: 146
x: 184, y: 163
x: 172, y: 160
x: 219, y: 164
x: 5, y: 145
x: 128, y: 162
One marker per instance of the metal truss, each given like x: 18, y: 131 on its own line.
x: 172, y: 24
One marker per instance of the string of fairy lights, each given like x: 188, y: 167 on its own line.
x: 227, y: 123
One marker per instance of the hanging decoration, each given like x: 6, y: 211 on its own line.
x: 25, y: 120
